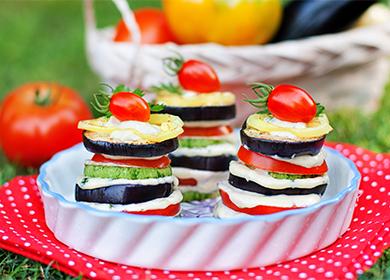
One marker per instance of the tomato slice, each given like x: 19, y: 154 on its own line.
x: 207, y: 131
x: 267, y: 163
x: 258, y: 210
x: 171, y: 210
x: 161, y: 162
x: 187, y: 182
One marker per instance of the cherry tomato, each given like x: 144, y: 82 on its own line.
x: 153, y: 27
x: 171, y: 210
x: 161, y: 162
x: 126, y: 106
x: 198, y: 76
x: 38, y: 120
x: 258, y: 210
x: 207, y: 131
x: 292, y: 104
x: 187, y: 182
x: 267, y: 163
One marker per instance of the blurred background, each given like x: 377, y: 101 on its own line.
x: 347, y: 69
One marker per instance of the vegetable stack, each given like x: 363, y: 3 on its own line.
x: 206, y: 146
x: 281, y: 163
x: 130, y: 170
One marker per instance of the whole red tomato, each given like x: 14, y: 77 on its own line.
x: 291, y: 103
x: 129, y: 106
x: 153, y: 27
x: 38, y: 120
x: 198, y: 76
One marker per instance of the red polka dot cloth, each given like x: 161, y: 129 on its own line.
x: 23, y: 231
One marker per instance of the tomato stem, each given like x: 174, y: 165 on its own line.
x: 43, y: 100
x: 172, y: 65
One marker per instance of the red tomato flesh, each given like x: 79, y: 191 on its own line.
x: 161, y: 162
x: 292, y: 104
x: 171, y: 210
x: 187, y: 182
x: 206, y: 131
x: 258, y: 210
x: 198, y: 76
x: 267, y: 163
x: 126, y: 106
x: 153, y: 26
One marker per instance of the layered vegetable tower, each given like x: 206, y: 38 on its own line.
x: 207, y: 144
x: 281, y: 163
x: 130, y: 170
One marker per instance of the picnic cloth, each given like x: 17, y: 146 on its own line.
x: 23, y: 231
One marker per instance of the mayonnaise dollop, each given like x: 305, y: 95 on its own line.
x: 127, y: 135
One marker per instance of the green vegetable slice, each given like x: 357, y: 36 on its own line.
x: 199, y: 142
x: 290, y: 176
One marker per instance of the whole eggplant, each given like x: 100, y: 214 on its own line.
x: 304, y: 18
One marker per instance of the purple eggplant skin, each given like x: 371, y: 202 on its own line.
x: 130, y: 150
x: 285, y: 149
x: 304, y: 18
x: 123, y: 194
x: 250, y: 186
x: 216, y: 163
x: 205, y: 113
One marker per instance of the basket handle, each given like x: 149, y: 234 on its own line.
x: 131, y: 24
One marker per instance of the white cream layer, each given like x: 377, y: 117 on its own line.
x: 126, y: 135
x: 209, y: 151
x: 262, y: 178
x: 281, y: 123
x: 207, y: 180
x: 158, y: 203
x: 95, y: 183
x: 306, y: 160
x: 222, y: 211
x: 245, y: 199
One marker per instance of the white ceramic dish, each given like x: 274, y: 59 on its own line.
x: 192, y: 243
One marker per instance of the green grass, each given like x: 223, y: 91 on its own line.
x: 44, y: 40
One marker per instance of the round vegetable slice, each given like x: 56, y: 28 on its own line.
x: 206, y: 113
x: 316, y: 128
x: 170, y: 127
x: 250, y: 186
x: 171, y: 210
x: 216, y: 163
x: 286, y: 149
x: 131, y: 150
x: 161, y: 162
x: 269, y: 164
x: 207, y: 131
x: 124, y: 194
x: 258, y: 210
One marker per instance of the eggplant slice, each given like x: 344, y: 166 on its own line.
x: 285, y: 149
x: 250, y: 186
x: 206, y: 113
x: 216, y: 163
x: 124, y: 194
x: 131, y: 150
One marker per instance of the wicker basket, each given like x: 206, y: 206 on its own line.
x: 344, y: 69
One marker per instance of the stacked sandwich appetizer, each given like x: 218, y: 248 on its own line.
x: 206, y: 146
x: 281, y: 163
x: 130, y: 170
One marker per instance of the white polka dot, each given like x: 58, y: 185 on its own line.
x: 329, y: 274
x: 71, y: 263
x: 27, y: 244
x: 49, y: 253
x: 349, y: 275
x: 382, y: 189
x: 116, y: 277
x: 92, y: 274
x: 302, y: 275
x: 4, y: 237
x: 88, y: 265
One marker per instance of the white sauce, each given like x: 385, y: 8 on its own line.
x: 209, y: 151
x: 207, y: 180
x: 207, y: 123
x: 281, y: 123
x: 262, y: 177
x: 245, y: 199
x: 126, y: 135
x: 158, y: 203
x: 284, y: 134
x: 95, y: 183
x: 306, y: 160
x: 125, y: 157
x: 222, y: 211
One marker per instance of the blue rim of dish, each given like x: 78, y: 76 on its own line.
x: 353, y: 185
